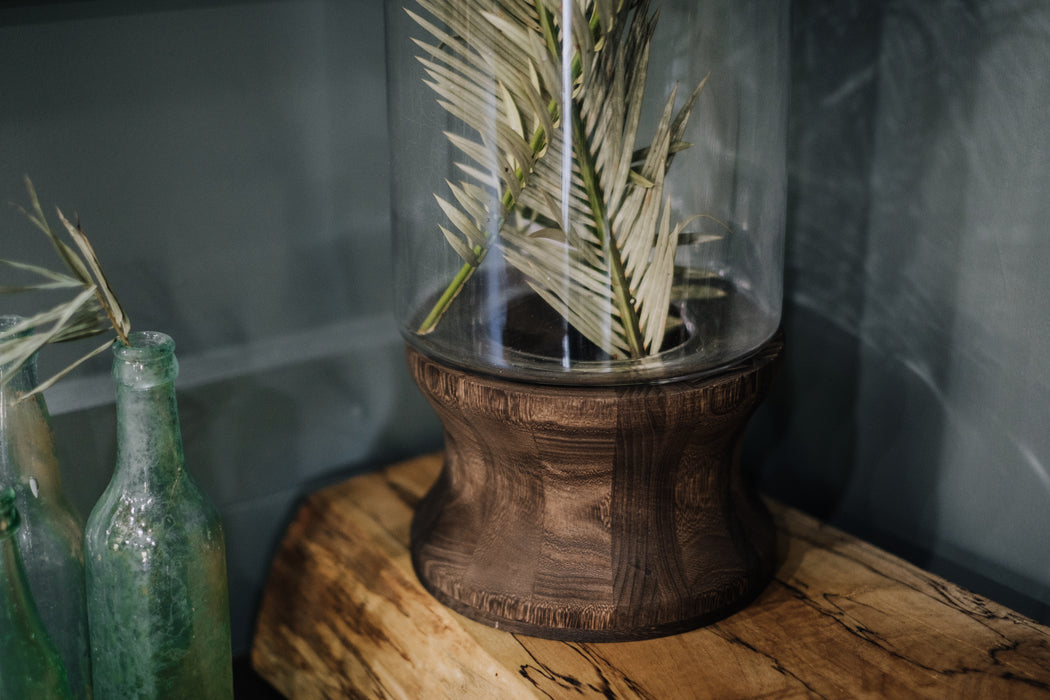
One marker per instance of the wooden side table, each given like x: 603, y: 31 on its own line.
x: 343, y: 616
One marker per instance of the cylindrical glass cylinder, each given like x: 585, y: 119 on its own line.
x: 585, y: 194
x: 51, y: 537
x: 158, y: 606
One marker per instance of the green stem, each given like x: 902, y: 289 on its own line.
x: 618, y: 276
x: 450, y: 293
x: 536, y: 144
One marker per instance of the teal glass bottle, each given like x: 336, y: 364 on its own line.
x: 30, y: 666
x: 51, y: 536
x: 158, y: 606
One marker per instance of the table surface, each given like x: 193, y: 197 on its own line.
x: 343, y: 616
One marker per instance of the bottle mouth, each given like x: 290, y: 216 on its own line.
x: 148, y: 361
x: 147, y: 343
x: 9, y: 321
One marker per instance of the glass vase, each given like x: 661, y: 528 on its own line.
x: 158, y: 604
x: 588, y: 193
x: 588, y: 213
x: 51, y: 537
x: 30, y: 665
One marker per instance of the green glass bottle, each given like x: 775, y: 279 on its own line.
x: 51, y: 536
x: 158, y: 606
x: 30, y: 666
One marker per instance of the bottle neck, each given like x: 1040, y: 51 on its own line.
x: 149, y: 441
x: 27, y: 448
x: 16, y: 380
x: 23, y: 379
x: 148, y: 435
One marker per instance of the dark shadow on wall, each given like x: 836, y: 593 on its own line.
x: 887, y: 151
x: 912, y: 265
x: 933, y: 370
x: 802, y: 441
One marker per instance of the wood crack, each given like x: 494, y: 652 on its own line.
x: 770, y: 659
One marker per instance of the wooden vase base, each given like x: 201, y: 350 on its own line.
x: 593, y: 513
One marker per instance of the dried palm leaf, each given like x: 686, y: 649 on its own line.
x: 93, y: 311
x: 593, y: 239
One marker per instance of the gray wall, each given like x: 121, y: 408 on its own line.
x: 915, y: 409
x: 229, y: 162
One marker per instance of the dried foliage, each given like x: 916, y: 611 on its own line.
x: 93, y: 310
x: 555, y: 174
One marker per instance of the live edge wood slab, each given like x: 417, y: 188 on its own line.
x: 343, y: 616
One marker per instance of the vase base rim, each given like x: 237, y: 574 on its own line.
x: 598, y: 634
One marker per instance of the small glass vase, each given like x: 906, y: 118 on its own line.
x: 158, y: 604
x: 51, y: 537
x: 30, y: 666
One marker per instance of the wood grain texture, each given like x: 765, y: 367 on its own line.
x: 343, y: 616
x: 593, y: 513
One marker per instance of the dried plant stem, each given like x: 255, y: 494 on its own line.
x: 617, y: 277
x: 94, y: 310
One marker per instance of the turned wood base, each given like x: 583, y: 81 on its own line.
x: 593, y: 513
